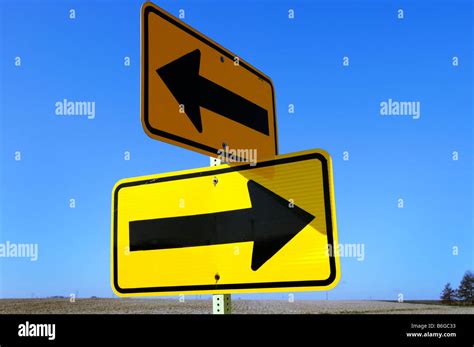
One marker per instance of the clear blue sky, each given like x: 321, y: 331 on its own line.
x: 337, y: 108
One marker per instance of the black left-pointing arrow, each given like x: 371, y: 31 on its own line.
x: 270, y: 224
x: 182, y: 78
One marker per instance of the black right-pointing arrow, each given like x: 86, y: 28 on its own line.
x: 182, y: 78
x: 270, y: 224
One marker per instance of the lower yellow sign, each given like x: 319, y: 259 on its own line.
x: 227, y: 229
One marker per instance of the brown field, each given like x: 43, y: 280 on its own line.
x: 173, y: 306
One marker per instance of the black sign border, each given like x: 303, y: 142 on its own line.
x: 236, y: 286
x: 210, y: 150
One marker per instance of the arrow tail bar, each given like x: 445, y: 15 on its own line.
x: 232, y: 106
x: 190, y: 231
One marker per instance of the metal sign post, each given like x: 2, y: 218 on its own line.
x: 221, y: 303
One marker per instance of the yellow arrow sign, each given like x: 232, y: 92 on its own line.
x: 227, y: 229
x: 198, y: 95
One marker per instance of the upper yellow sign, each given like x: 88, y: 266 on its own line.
x: 198, y: 95
x: 227, y: 229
